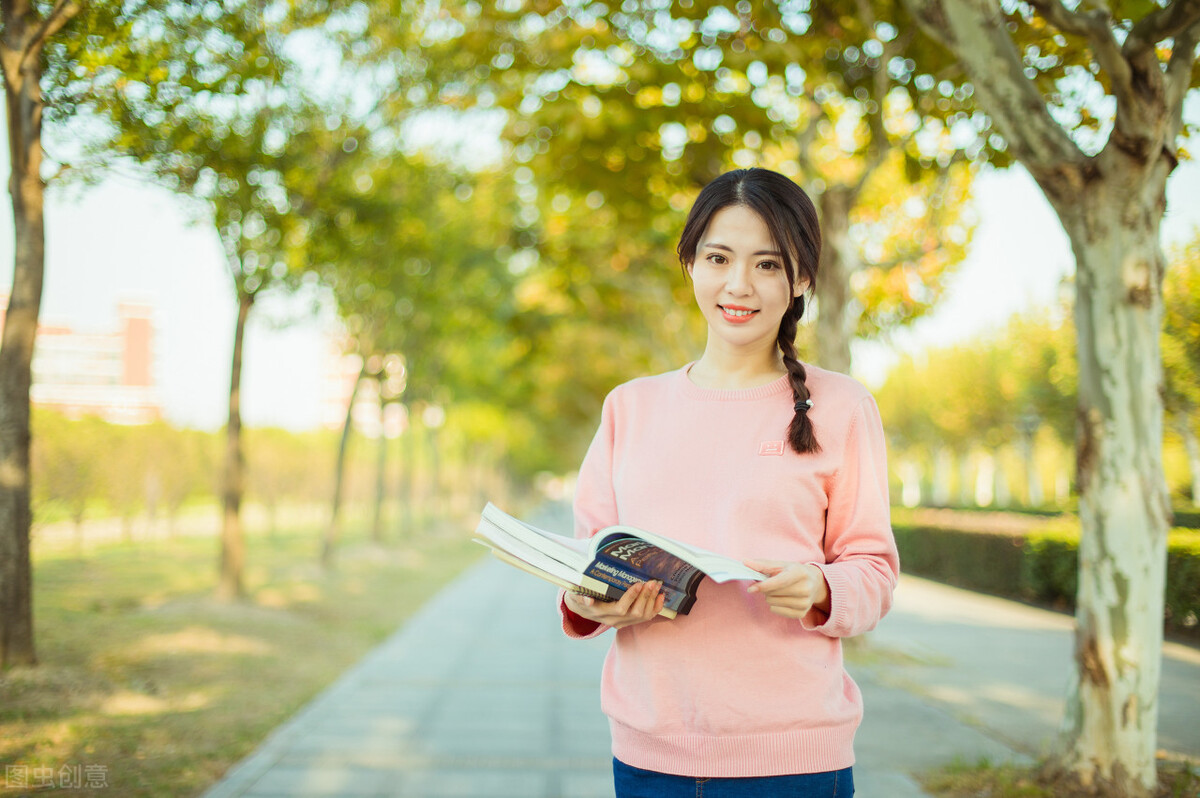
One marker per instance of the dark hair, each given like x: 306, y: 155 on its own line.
x: 792, y: 220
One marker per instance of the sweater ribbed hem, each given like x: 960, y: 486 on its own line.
x: 736, y: 756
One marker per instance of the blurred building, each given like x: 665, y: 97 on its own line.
x: 110, y: 375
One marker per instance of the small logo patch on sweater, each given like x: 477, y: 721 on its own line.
x: 767, y: 448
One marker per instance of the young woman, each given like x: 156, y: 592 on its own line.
x: 753, y: 454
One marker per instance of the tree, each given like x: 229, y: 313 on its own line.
x: 1089, y: 99
x: 66, y: 457
x: 410, y: 250
x: 25, y: 29
x: 987, y: 389
x: 224, y: 117
x: 644, y: 103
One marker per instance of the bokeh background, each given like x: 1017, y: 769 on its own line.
x: 323, y: 278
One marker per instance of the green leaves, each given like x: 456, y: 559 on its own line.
x: 1181, y: 332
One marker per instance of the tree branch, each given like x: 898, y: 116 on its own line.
x: 1179, y: 74
x: 809, y: 134
x: 976, y: 31
x: 1167, y: 22
x: 1056, y: 14
x: 59, y: 16
x: 1096, y: 27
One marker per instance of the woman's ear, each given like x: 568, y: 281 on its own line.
x: 800, y: 287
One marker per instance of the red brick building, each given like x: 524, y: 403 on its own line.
x: 110, y: 375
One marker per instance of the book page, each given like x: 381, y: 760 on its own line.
x: 498, y: 525
x: 717, y: 567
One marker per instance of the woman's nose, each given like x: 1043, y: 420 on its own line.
x: 737, y: 280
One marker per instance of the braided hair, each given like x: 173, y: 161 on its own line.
x: 791, y: 218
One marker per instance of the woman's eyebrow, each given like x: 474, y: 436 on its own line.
x: 711, y: 245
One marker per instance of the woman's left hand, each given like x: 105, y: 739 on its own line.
x: 793, y: 589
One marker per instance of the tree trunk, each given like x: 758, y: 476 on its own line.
x: 910, y: 483
x: 435, y: 502
x: 943, y: 465
x: 837, y: 317
x: 333, y: 528
x: 1112, y: 712
x: 1001, y: 489
x: 24, y: 103
x: 380, y: 474
x: 1111, y: 205
x: 1034, y: 497
x: 965, y: 489
x: 985, y: 481
x: 233, y: 543
x: 408, y: 481
x: 78, y: 519
x: 1192, y: 447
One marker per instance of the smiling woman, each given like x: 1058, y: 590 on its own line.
x: 723, y: 453
x: 742, y: 289
x: 752, y: 245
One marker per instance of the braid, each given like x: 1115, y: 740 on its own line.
x: 801, y: 436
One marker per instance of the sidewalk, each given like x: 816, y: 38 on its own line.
x: 461, y: 702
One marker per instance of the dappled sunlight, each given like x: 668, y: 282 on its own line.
x: 200, y: 640
x: 924, y: 599
x: 129, y: 702
x: 978, y: 700
x: 54, y: 739
x: 288, y: 596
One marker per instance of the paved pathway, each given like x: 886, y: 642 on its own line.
x: 1005, y: 666
x: 458, y: 703
x: 465, y: 703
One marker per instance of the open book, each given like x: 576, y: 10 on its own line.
x: 606, y: 564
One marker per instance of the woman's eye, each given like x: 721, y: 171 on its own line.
x: 768, y: 264
x: 717, y: 259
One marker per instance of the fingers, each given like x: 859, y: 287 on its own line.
x: 577, y: 602
x: 640, y: 603
x: 783, y: 577
x: 628, y: 601
x: 792, y: 590
x: 643, y: 603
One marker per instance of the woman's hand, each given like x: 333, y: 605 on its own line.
x: 793, y: 589
x: 640, y: 603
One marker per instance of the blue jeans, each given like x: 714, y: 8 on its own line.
x: 631, y: 782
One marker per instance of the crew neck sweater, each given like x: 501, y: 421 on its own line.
x: 732, y: 689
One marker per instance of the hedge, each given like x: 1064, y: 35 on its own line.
x: 1040, y: 566
x: 1187, y: 518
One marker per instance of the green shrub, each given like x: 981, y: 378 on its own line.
x: 1050, y: 568
x: 983, y: 561
x: 1188, y: 519
x: 1041, y: 565
x: 1183, y: 581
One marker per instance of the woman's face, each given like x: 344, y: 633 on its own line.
x: 740, y: 280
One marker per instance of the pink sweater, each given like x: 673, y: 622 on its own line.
x: 732, y: 689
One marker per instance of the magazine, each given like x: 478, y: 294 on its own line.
x: 606, y: 564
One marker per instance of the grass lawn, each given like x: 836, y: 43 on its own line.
x: 1175, y: 780
x: 148, y: 686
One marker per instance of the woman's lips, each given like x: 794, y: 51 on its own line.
x: 735, y: 314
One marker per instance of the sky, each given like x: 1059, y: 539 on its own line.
x: 124, y: 240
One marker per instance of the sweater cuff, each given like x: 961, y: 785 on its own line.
x: 818, y: 621
x: 576, y: 626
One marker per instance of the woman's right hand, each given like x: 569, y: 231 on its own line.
x: 640, y: 603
